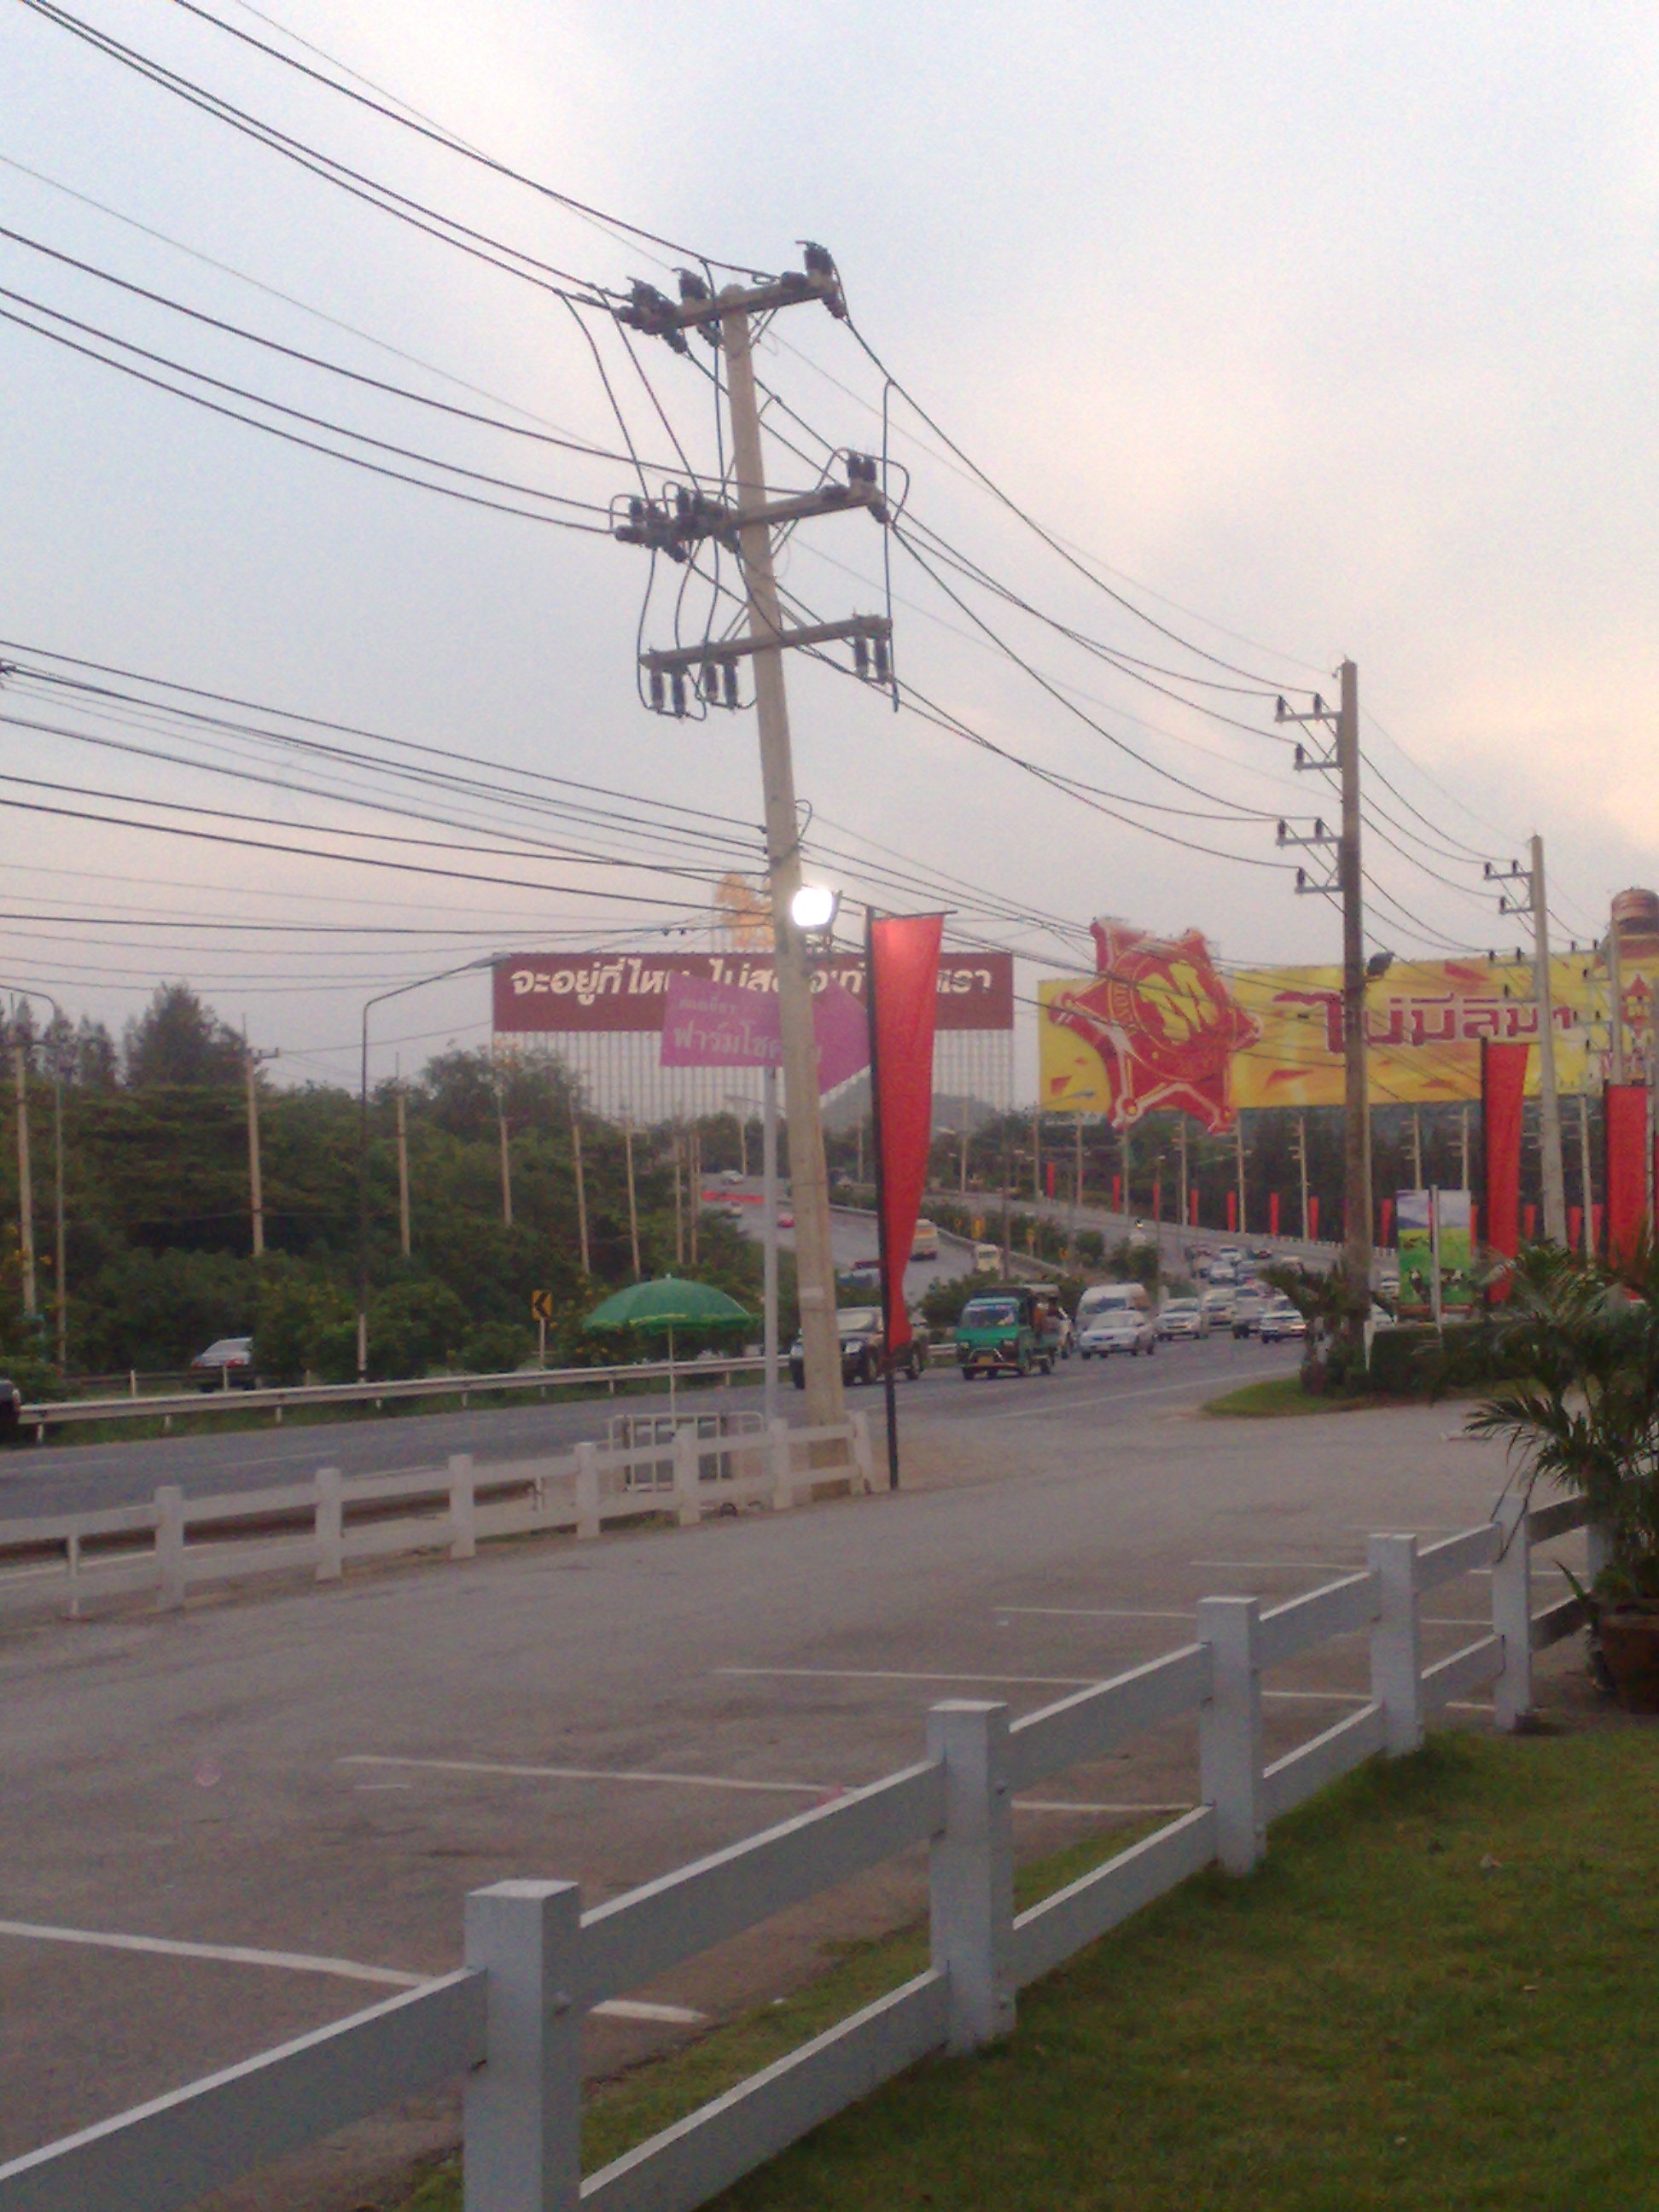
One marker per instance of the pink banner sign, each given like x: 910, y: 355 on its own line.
x: 709, y: 1024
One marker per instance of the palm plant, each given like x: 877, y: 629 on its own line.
x: 1585, y: 1416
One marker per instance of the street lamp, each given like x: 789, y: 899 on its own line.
x: 46, y: 999
x: 814, y: 906
x: 466, y: 968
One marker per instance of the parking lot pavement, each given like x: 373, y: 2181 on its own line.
x: 323, y: 1773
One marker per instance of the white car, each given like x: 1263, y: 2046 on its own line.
x: 1218, y: 1304
x: 1121, y: 1328
x: 1182, y: 1318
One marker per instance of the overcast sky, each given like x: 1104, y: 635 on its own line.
x: 1316, y: 330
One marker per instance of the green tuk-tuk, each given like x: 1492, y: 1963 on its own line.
x: 1013, y: 1329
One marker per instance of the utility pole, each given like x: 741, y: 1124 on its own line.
x: 1186, y: 1207
x: 1238, y: 1154
x: 1616, y: 1000
x: 506, y: 1161
x: 680, y: 525
x: 406, y: 1240
x: 1036, y: 1155
x: 1534, y: 901
x: 679, y: 1208
x: 581, y: 1186
x: 25, y: 1184
x: 633, y: 1201
x: 252, y: 1062
x: 1077, y: 1173
x: 1463, y: 1134
x: 1123, y: 1149
x: 1301, y: 1163
x: 1348, y: 887
x: 1417, y: 1148
x: 961, y: 1179
x: 693, y: 1188
x: 1585, y: 1180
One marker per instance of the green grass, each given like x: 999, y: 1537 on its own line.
x: 1276, y: 1396
x: 1436, y: 1995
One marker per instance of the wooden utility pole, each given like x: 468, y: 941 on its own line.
x: 1238, y: 1155
x: 1357, y: 1129
x: 1417, y: 1148
x: 1301, y: 1163
x: 1549, y: 1104
x: 406, y: 1240
x: 633, y: 1201
x: 581, y: 1189
x: 25, y: 1183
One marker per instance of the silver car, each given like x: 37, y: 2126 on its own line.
x: 1121, y: 1328
x: 1182, y: 1318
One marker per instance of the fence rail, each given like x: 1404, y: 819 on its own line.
x: 509, y: 2022
x: 173, y: 1543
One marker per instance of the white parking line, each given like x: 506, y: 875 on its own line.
x: 231, y: 1954
x: 591, y: 1774
x: 1040, y: 1682
x: 348, y: 1970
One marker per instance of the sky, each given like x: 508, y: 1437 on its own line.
x: 1301, y: 333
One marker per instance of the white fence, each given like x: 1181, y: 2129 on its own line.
x: 174, y: 1542
x: 508, y: 2023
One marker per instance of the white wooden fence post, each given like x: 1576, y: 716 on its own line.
x: 463, y: 1507
x: 971, y: 1873
x: 1229, y: 1755
x: 170, y: 1546
x: 521, y: 2120
x: 1397, y: 1644
x: 688, y: 1466
x: 863, y: 1459
x: 587, y: 1491
x: 1511, y: 1612
x: 330, y: 1526
x: 783, y: 1463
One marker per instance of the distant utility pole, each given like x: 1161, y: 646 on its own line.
x: 677, y: 526
x: 633, y: 1201
x: 1301, y: 1163
x: 1585, y: 1180
x: 581, y: 1187
x: 1532, y: 900
x: 1613, y: 952
x: 406, y: 1240
x: 25, y: 1181
x: 251, y: 1063
x: 1347, y: 885
x: 1238, y: 1154
x: 507, y: 1159
x: 1417, y: 1148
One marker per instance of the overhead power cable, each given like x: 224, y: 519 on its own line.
x: 410, y: 119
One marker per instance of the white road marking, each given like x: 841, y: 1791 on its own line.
x: 1093, y: 1612
x: 894, y: 1674
x: 231, y: 1954
x: 591, y: 1773
x: 348, y: 1970
x: 1042, y: 1681
x: 1071, y: 1805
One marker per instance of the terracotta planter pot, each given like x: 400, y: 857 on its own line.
x: 1630, y: 1644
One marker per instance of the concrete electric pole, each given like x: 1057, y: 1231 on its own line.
x: 1532, y: 900
x: 252, y: 1062
x: 677, y: 525
x: 404, y: 1239
x: 1348, y: 887
x: 25, y: 1182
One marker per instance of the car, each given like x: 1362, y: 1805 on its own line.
x: 227, y: 1364
x: 923, y: 1245
x: 730, y: 1176
x: 1247, y: 1309
x: 1279, y: 1322
x: 1263, y: 1252
x: 987, y: 1259
x: 1218, y: 1304
x: 786, y: 1221
x: 1182, y: 1318
x: 863, y: 1348
x: 1121, y: 1328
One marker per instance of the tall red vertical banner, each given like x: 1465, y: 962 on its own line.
x: 1624, y: 1126
x: 1503, y: 1093
x: 1387, y: 1221
x: 1313, y: 1219
x: 1192, y: 1209
x: 1232, y: 1212
x: 1272, y: 1213
x: 904, y: 968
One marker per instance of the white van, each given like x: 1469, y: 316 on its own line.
x: 987, y: 1259
x: 1111, y: 1297
x: 923, y: 1245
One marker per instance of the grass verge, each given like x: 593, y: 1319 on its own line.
x: 1276, y: 1396
x: 1434, y: 1996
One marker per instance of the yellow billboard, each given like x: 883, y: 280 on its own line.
x: 1160, y: 1026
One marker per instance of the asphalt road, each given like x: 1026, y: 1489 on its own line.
x: 324, y: 1772
x: 40, y: 1480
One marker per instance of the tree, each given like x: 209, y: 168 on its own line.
x: 177, y: 1040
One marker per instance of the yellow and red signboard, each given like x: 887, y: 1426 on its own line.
x: 1160, y: 1025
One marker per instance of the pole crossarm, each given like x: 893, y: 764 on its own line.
x: 728, y: 651
x: 659, y: 317
x: 669, y: 527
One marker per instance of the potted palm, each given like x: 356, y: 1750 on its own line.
x: 1583, y: 1339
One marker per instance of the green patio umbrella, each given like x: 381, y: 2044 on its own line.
x: 664, y: 1307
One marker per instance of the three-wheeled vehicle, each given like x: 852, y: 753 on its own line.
x: 1014, y: 1329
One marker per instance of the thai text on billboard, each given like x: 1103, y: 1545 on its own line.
x: 591, y: 993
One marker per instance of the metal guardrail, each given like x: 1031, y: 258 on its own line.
x: 180, y: 1404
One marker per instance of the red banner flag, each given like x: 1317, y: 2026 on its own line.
x: 1503, y: 1088
x: 1387, y: 1221
x: 1232, y: 1213
x: 1117, y: 1193
x: 1575, y: 1227
x: 1625, y: 1126
x: 1313, y: 1219
x: 1192, y: 1209
x: 903, y: 964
